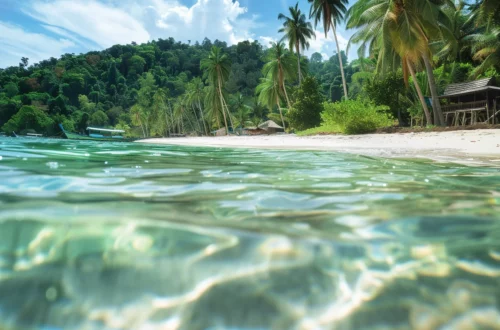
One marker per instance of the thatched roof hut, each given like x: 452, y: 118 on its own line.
x: 271, y: 127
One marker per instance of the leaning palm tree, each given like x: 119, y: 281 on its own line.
x: 297, y: 31
x: 161, y: 122
x: 269, y: 93
x: 217, y: 68
x: 330, y: 12
x: 280, y: 67
x: 398, y: 32
x: 195, y: 96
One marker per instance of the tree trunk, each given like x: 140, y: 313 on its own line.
x: 229, y: 114
x: 281, y: 113
x: 340, y: 61
x: 297, y: 47
x: 142, y: 127
x: 420, y: 94
x: 282, y: 80
x: 171, y: 116
x: 193, y: 109
x: 167, y: 126
x: 202, y: 118
x: 222, y: 105
x: 438, y: 114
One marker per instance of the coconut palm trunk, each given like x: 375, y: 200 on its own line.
x: 344, y: 84
x: 281, y: 113
x: 297, y: 48
x: 286, y: 96
x: 202, y: 118
x: 438, y: 114
x: 167, y: 125
x: 143, y: 132
x: 420, y: 94
x: 282, y: 80
x: 222, y: 104
x: 229, y: 114
x: 171, y: 117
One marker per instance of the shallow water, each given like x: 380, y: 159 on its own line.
x: 128, y: 236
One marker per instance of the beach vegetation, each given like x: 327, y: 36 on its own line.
x: 358, y: 116
x: 408, y: 52
x: 29, y: 118
x: 308, y: 105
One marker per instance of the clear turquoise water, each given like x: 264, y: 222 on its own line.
x: 129, y: 236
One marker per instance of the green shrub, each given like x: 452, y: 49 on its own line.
x: 308, y: 105
x: 29, y: 117
x: 356, y: 116
x: 69, y: 125
x: 99, y: 118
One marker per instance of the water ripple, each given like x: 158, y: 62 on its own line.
x: 124, y: 236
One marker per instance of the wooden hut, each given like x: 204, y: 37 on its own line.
x: 471, y: 103
x: 271, y: 127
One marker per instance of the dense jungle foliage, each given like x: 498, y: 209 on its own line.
x: 165, y: 86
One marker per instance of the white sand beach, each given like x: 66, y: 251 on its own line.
x: 446, y: 146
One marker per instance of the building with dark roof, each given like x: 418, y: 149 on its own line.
x: 471, y: 102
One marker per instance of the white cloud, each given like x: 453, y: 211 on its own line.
x: 326, y: 45
x: 68, y: 35
x: 102, y: 24
x: 16, y: 43
x: 213, y: 19
x: 265, y: 41
x: 91, y: 24
x: 124, y: 21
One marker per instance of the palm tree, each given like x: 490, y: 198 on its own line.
x: 330, y: 12
x: 297, y: 31
x: 217, y: 68
x: 486, y: 13
x: 398, y: 32
x: 487, y: 50
x: 212, y: 106
x: 160, y: 111
x: 457, y: 35
x: 269, y: 92
x: 280, y: 67
x: 194, y: 97
x: 256, y: 121
x: 242, y: 117
x: 137, y: 116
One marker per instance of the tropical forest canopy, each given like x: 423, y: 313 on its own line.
x: 408, y: 52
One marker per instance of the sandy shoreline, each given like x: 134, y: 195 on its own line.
x: 466, y: 146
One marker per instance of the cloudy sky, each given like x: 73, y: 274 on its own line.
x: 39, y: 29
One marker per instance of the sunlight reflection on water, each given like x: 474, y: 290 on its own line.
x: 125, y: 236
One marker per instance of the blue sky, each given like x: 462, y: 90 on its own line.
x: 39, y: 29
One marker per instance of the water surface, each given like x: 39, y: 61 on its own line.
x: 128, y: 236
